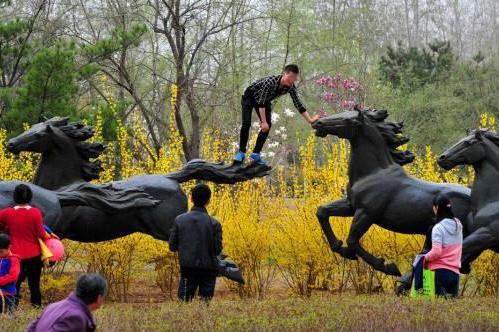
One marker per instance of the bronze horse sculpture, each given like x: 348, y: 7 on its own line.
x: 146, y: 203
x: 66, y: 164
x: 52, y: 202
x: 379, y: 190
x: 480, y: 150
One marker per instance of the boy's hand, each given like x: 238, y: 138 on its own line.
x: 319, y: 115
x: 264, y: 127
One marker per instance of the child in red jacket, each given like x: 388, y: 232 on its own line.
x: 9, y: 272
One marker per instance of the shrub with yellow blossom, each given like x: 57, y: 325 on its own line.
x: 269, y: 225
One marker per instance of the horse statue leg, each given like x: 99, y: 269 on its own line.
x: 360, y: 225
x: 473, y: 246
x: 339, y: 208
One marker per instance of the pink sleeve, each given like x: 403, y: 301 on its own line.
x: 434, y: 253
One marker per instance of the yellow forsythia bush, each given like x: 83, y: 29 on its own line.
x: 269, y: 224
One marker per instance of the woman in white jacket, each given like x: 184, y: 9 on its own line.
x: 446, y: 247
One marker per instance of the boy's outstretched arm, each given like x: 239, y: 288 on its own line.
x: 303, y: 111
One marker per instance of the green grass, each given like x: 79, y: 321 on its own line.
x: 320, y: 312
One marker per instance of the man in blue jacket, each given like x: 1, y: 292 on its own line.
x: 198, y: 239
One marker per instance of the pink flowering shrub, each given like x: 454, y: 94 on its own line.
x: 340, y: 92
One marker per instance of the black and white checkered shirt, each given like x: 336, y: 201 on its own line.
x: 266, y: 89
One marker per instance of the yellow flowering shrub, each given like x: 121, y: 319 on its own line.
x: 269, y: 224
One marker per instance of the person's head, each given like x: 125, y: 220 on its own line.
x: 91, y: 288
x: 442, y: 207
x: 200, y: 195
x: 290, y: 74
x: 22, y: 194
x: 4, y: 244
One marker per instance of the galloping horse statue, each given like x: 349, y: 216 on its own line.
x: 144, y: 203
x: 379, y: 190
x: 51, y: 202
x: 46, y: 200
x: 481, y: 150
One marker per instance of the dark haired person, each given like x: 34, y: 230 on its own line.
x: 24, y: 224
x: 258, y: 97
x: 198, y: 239
x: 74, y: 313
x: 9, y: 272
x: 446, y: 247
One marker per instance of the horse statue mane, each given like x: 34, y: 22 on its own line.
x: 487, y: 133
x: 391, y: 132
x: 79, y: 133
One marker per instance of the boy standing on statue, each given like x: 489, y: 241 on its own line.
x: 258, y: 96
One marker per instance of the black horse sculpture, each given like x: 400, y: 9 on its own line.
x: 66, y: 165
x: 379, y: 190
x: 46, y: 200
x: 50, y: 202
x: 481, y: 150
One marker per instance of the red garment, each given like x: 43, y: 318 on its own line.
x: 11, y: 277
x: 25, y: 227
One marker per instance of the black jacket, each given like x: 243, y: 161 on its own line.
x: 266, y: 89
x: 198, y: 239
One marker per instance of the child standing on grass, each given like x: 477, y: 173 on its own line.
x: 9, y: 272
x: 446, y: 247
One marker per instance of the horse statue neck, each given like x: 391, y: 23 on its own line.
x: 59, y: 168
x: 369, y: 154
x: 486, y: 176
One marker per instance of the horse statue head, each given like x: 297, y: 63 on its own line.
x: 469, y: 150
x: 367, y: 123
x: 60, y: 143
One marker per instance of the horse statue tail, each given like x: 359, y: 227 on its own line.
x: 219, y: 173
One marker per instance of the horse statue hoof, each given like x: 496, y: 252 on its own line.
x: 392, y: 270
x: 465, y: 269
x: 348, y: 253
x: 336, y: 247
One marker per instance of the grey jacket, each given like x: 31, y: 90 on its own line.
x: 198, y: 239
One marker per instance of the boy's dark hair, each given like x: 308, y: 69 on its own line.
x: 201, y: 195
x: 444, y: 207
x: 22, y: 194
x: 89, y: 286
x: 4, y: 241
x: 292, y: 68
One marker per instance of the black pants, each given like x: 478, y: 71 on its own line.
x: 31, y: 268
x: 446, y: 283
x: 248, y: 105
x: 192, y: 281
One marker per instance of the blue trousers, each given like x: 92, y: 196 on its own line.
x: 446, y: 283
x: 7, y: 304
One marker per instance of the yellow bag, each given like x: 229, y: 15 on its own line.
x: 46, y: 253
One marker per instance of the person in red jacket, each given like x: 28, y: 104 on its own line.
x: 9, y: 272
x: 24, y: 224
